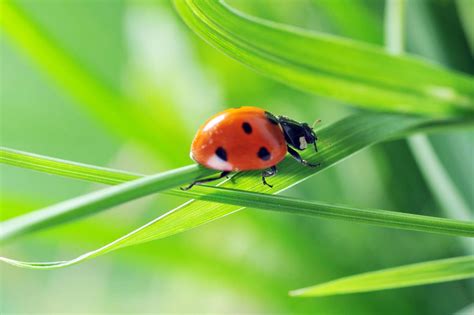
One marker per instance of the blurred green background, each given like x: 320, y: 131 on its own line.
x: 245, y: 263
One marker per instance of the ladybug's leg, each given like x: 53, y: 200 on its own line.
x: 268, y: 173
x: 297, y: 157
x: 206, y: 180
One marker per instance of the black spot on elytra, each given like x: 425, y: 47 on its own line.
x: 272, y: 118
x: 221, y: 153
x: 263, y: 154
x: 247, y: 128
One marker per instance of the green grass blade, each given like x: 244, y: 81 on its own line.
x: 438, y: 179
x: 348, y: 70
x: 330, y: 211
x: 352, y: 18
x: 250, y: 199
x: 64, y: 168
x: 94, y: 202
x: 466, y: 12
x: 395, y: 26
x: 399, y: 277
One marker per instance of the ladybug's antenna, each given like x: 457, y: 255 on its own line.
x: 317, y: 121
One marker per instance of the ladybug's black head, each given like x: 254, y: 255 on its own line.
x: 297, y: 134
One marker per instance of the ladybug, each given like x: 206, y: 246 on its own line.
x: 249, y: 138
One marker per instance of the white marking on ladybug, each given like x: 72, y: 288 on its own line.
x: 213, y: 122
x: 217, y: 163
x: 303, y: 143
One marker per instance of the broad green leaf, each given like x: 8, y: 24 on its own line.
x: 330, y: 66
x: 353, y: 19
x: 245, y: 198
x: 399, y: 277
x: 338, y: 141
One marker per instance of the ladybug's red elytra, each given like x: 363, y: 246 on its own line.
x: 249, y: 138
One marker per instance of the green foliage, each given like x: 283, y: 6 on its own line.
x: 234, y: 197
x: 340, y: 140
x: 351, y: 71
x: 68, y: 169
x: 99, y: 200
x: 410, y: 275
x: 344, y: 69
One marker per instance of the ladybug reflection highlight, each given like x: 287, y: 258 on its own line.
x: 249, y: 138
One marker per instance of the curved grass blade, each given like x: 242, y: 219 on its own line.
x: 274, y: 203
x: 64, y: 168
x: 250, y: 199
x: 377, y: 217
x: 406, y: 276
x: 330, y: 66
x: 76, y: 208
x: 352, y: 18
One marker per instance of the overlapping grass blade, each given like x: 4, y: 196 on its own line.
x: 76, y: 208
x: 399, y: 277
x: 338, y: 141
x: 251, y: 199
x: 347, y: 70
x: 330, y: 211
